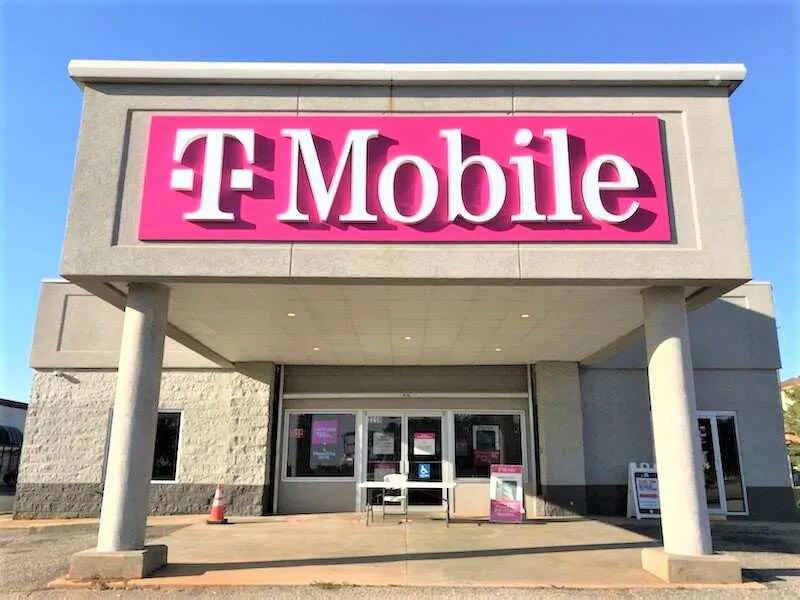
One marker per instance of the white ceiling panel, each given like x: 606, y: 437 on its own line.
x: 369, y: 324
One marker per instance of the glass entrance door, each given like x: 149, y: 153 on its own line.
x: 719, y: 449
x: 424, y: 458
x: 713, y: 499
x: 409, y: 443
x: 384, y: 454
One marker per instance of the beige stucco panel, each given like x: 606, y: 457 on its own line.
x: 412, y: 261
x: 351, y: 98
x: 75, y: 329
x: 101, y: 235
x: 451, y: 99
x: 560, y: 422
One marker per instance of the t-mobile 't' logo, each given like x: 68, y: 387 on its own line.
x: 241, y: 179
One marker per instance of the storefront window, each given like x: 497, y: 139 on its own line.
x: 165, y: 457
x: 713, y: 499
x: 321, y: 445
x: 483, y: 440
x: 720, y: 452
x: 731, y: 471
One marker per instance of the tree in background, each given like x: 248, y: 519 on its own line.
x: 791, y: 424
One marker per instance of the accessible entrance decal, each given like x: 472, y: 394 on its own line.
x: 398, y: 179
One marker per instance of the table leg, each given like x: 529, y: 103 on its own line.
x: 447, y: 513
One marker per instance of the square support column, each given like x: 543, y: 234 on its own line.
x: 684, y: 513
x: 120, y: 549
x: 559, y: 412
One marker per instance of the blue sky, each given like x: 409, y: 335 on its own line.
x: 41, y: 106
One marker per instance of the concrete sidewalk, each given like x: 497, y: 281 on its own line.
x: 340, y: 550
x: 7, y: 522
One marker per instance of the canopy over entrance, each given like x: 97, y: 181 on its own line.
x: 376, y: 324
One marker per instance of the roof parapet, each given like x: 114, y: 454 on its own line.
x: 554, y: 74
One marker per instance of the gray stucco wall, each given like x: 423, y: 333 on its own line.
x: 736, y: 331
x: 224, y: 437
x: 617, y: 430
x: 443, y: 379
x: 735, y: 355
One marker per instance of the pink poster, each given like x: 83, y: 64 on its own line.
x: 405, y: 179
x: 486, y: 457
x: 506, y: 511
x: 323, y: 433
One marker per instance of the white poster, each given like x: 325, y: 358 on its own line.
x: 647, y: 491
x: 643, y: 497
x: 382, y: 443
x: 424, y: 444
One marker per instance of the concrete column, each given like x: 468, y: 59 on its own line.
x: 133, y: 427
x: 684, y: 515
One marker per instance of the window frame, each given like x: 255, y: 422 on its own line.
x: 179, y: 412
x: 712, y: 415
x: 356, y: 414
x: 489, y: 412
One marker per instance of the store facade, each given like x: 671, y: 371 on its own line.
x: 425, y: 269
x: 261, y: 428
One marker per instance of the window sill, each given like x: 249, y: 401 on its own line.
x: 318, y: 480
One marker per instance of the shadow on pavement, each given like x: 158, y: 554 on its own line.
x: 485, y: 521
x: 730, y: 536
x: 769, y: 575
x: 185, y: 569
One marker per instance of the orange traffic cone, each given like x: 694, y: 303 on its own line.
x: 217, y: 516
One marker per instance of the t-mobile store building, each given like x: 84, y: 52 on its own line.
x: 422, y: 269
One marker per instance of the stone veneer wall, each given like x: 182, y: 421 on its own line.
x: 224, y: 437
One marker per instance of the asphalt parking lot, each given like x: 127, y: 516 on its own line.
x: 30, y: 558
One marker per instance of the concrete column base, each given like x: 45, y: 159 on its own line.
x: 675, y: 568
x: 124, y: 564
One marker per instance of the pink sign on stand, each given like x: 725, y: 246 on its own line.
x: 506, y: 489
x: 405, y: 179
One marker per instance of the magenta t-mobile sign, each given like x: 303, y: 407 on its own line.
x: 405, y: 179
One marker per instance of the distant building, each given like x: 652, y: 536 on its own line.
x: 12, y: 424
x: 12, y: 413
